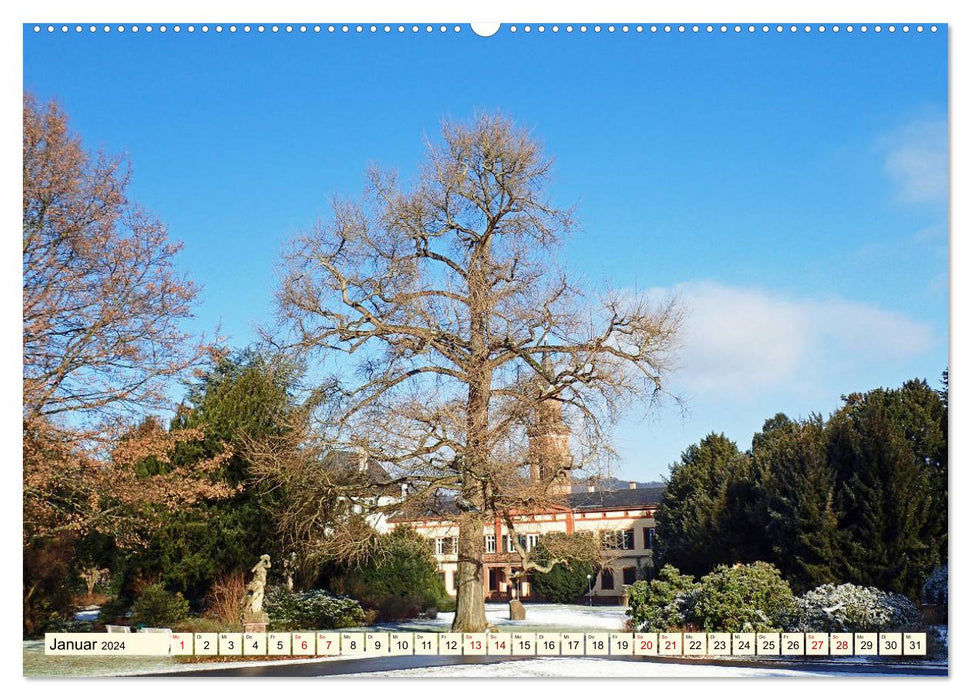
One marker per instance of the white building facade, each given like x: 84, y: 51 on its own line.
x: 623, y: 521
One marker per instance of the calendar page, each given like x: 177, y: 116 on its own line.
x: 518, y: 349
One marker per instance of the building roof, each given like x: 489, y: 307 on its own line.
x: 444, y: 506
x: 621, y: 498
x: 355, y: 468
x: 439, y: 505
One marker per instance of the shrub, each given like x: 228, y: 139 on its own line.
x: 115, y: 611
x: 564, y: 583
x: 567, y: 580
x: 850, y: 608
x: 663, y: 604
x: 224, y: 602
x: 83, y: 600
x: 312, y: 610
x: 158, y: 607
x: 394, y: 607
x: 201, y: 624
x: 70, y: 625
x: 937, y: 642
x: 47, y: 577
x: 742, y: 598
x: 400, y: 581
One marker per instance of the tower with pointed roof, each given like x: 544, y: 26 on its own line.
x: 550, y: 459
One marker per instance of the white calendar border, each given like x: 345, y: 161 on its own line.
x: 508, y: 10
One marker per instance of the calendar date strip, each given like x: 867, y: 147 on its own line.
x: 519, y: 644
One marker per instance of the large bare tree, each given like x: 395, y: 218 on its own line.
x: 103, y: 307
x: 103, y: 303
x: 446, y: 299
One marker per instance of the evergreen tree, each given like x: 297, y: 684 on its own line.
x: 882, y: 446
x: 244, y: 396
x: 797, y: 491
x: 861, y: 496
x: 400, y: 582
x: 940, y: 478
x: 702, y: 519
x: 567, y: 580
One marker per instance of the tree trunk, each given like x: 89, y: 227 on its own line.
x: 470, y: 605
x: 29, y: 624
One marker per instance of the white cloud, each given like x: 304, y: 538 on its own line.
x: 743, y: 341
x: 916, y: 160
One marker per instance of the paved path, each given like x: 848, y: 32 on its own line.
x: 340, y: 667
x: 336, y: 667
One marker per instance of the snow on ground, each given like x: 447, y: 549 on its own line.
x: 36, y: 663
x: 566, y: 618
x: 545, y: 616
x: 539, y: 617
x: 588, y: 668
x: 940, y: 633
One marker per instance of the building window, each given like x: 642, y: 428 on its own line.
x: 630, y: 575
x: 607, y: 580
x: 446, y: 545
x: 617, y: 539
x: 527, y: 542
x: 455, y: 579
x: 648, y: 538
x: 490, y: 544
x: 441, y: 577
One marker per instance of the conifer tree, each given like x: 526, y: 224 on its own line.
x: 798, y: 510
x: 886, y: 494
x: 243, y: 396
x: 694, y: 521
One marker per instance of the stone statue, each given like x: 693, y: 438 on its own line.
x: 253, y: 600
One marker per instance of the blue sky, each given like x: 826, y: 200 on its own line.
x: 791, y: 188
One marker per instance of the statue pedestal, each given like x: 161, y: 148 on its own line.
x: 255, y: 622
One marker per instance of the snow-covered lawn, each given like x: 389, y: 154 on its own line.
x: 36, y: 663
x: 539, y: 617
x: 587, y: 668
x: 566, y: 618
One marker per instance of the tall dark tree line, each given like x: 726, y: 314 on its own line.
x: 859, y: 497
